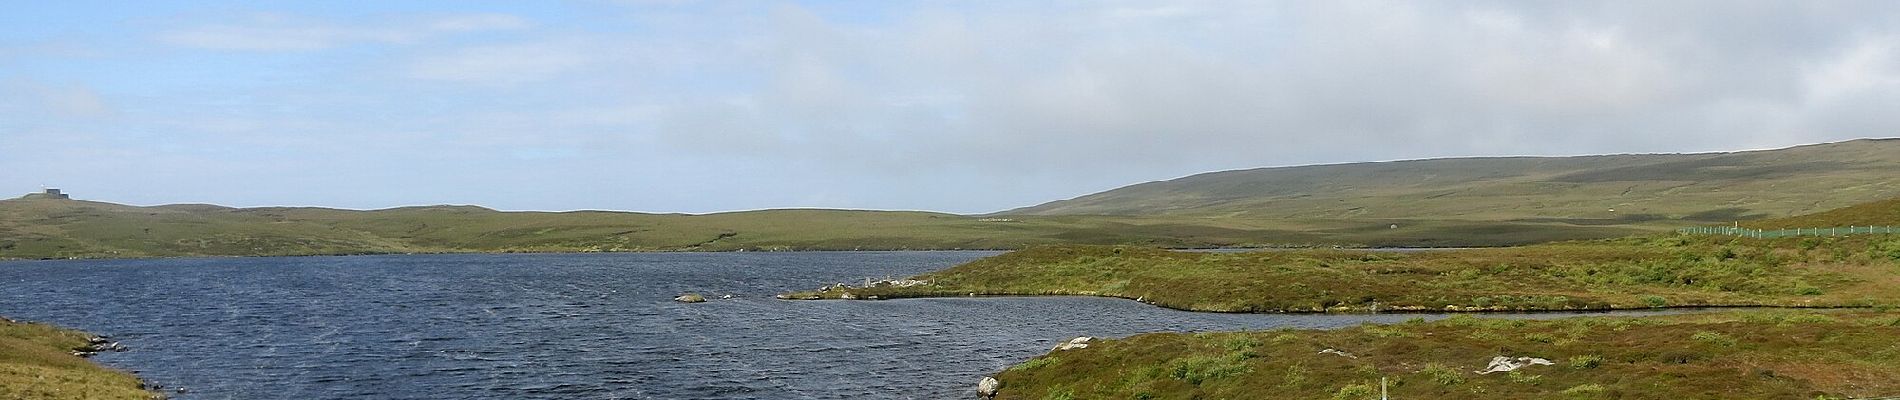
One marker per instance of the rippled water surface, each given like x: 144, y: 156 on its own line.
x: 564, y: 326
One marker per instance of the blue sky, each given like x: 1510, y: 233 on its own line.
x: 700, y: 106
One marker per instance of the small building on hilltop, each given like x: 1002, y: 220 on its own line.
x: 50, y: 193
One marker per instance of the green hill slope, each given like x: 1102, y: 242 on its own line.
x: 1879, y: 213
x: 1710, y: 187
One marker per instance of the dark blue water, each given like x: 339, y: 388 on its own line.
x: 564, y: 326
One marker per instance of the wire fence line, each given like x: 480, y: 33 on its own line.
x: 1782, y: 233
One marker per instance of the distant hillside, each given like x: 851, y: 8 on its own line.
x: 1879, y: 213
x: 53, y: 228
x: 1706, y: 187
x: 1435, y: 203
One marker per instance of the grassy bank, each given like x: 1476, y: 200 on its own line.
x: 1670, y: 271
x: 1753, y: 355
x: 37, y: 362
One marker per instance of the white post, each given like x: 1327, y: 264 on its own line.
x: 1382, y: 389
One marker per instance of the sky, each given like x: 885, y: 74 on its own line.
x: 955, y: 106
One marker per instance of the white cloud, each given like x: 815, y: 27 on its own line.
x: 1001, y: 104
x: 1873, y: 65
x: 477, y: 23
x: 28, y: 100
x: 1142, y: 92
x: 504, y: 65
x: 280, y: 32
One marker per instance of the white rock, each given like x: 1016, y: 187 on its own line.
x: 1338, y: 353
x: 1076, y: 343
x: 987, y: 387
x: 1508, y: 364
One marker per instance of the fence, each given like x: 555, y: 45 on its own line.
x: 1782, y: 233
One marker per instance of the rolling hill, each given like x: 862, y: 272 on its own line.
x: 1704, y: 187
x: 54, y: 228
x: 1432, y: 203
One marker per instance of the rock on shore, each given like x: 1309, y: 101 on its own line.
x: 987, y: 387
x: 1076, y: 343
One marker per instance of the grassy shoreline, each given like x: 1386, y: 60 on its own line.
x: 37, y: 362
x: 1763, y: 354
x: 1620, y: 274
x: 584, y: 251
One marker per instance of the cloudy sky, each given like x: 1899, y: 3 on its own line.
x: 960, y: 106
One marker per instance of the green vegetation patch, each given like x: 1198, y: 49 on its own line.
x: 1878, y: 213
x: 37, y: 363
x: 1634, y: 273
x: 1831, y: 354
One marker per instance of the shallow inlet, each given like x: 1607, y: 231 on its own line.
x: 564, y: 326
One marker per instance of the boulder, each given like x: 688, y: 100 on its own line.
x: 904, y: 283
x: 987, y: 387
x: 847, y: 296
x: 1076, y: 343
x: 690, y: 298
x: 1508, y: 364
x: 1337, y: 352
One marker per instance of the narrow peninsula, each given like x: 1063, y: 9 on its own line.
x: 43, y: 362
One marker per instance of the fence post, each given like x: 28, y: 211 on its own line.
x: 1793, y: 232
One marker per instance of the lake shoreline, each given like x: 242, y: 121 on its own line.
x: 396, y: 253
x: 1400, y: 310
x: 60, y: 362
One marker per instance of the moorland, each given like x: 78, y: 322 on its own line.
x: 1451, y: 202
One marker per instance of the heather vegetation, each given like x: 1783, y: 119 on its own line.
x: 1726, y: 355
x: 1879, y: 213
